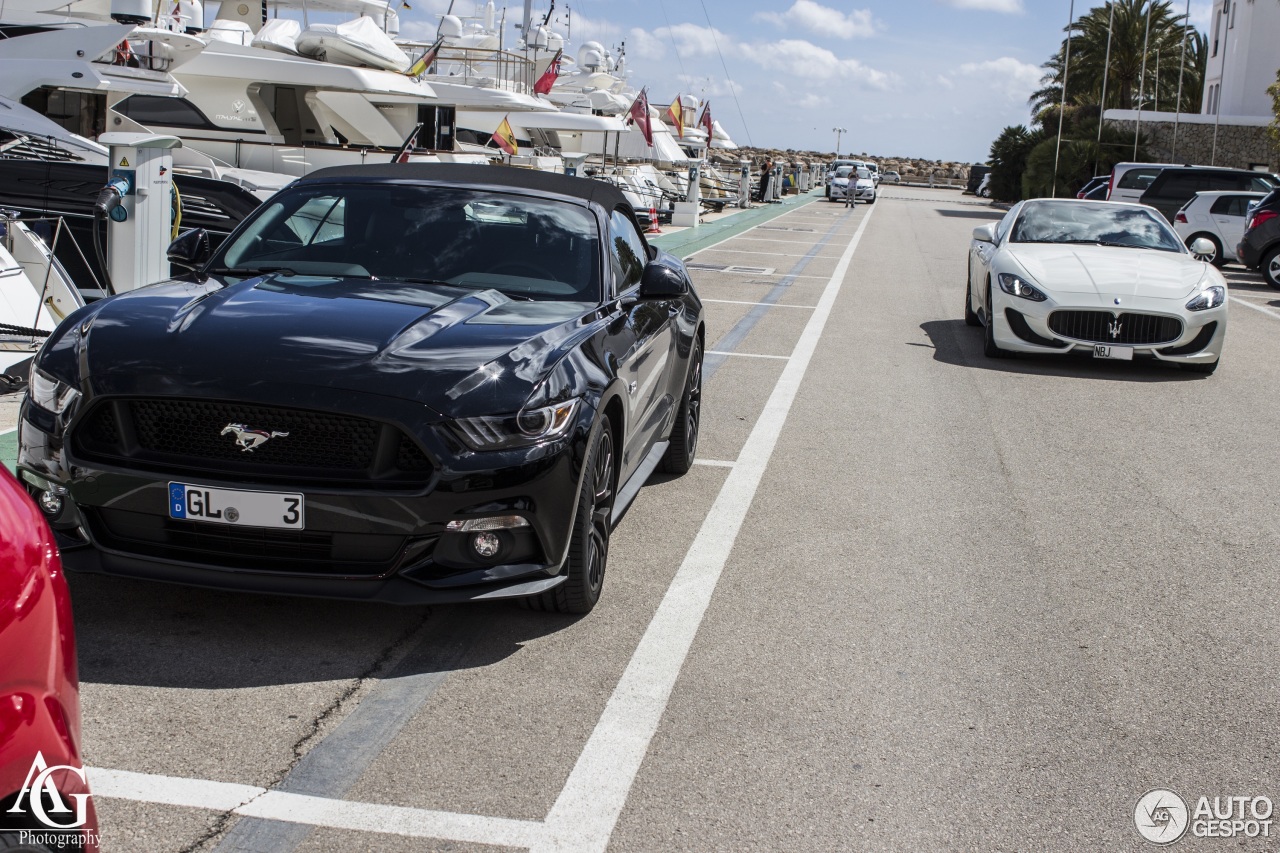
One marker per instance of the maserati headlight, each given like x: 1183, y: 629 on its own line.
x: 1017, y: 286
x: 1210, y: 297
x: 529, y: 426
x: 49, y: 393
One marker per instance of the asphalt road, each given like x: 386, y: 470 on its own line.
x: 914, y: 599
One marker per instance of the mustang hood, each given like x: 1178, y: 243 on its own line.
x: 459, y: 352
x: 1108, y: 270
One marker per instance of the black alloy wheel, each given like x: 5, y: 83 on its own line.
x: 989, y: 347
x: 592, y: 524
x: 1214, y: 257
x: 970, y: 318
x: 684, y: 435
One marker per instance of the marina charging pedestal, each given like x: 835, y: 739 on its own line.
x: 744, y: 183
x: 685, y: 213
x: 141, y: 169
x: 775, y: 186
x: 573, y: 163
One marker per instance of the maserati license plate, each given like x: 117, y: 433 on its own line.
x: 235, y: 506
x: 1118, y: 353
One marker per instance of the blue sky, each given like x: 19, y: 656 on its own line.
x: 936, y: 79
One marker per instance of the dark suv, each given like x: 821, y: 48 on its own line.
x: 1173, y: 188
x: 1259, y: 248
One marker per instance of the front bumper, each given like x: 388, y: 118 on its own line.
x: 864, y: 193
x: 387, y: 543
x: 838, y: 191
x: 1021, y: 325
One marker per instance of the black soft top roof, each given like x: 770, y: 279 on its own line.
x: 469, y: 174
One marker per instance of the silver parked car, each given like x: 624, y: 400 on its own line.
x: 1212, y: 223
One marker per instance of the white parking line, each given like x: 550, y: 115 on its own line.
x: 770, y: 254
x: 714, y: 463
x: 770, y: 304
x: 1267, y: 311
x: 748, y: 354
x: 15, y: 429
x: 251, y: 801
x: 585, y: 813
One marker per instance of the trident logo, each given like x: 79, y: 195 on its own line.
x: 248, y: 439
x: 1114, y: 329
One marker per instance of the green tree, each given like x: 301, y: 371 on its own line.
x: 1138, y: 62
x: 1009, y: 160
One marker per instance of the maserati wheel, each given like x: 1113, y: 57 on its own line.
x: 684, y: 435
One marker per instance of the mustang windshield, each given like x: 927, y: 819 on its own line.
x: 1093, y: 224
x: 528, y: 248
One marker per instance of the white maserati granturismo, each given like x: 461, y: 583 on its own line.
x: 1057, y: 275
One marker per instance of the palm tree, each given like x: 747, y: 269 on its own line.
x: 1132, y: 49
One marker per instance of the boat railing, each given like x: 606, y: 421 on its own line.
x: 487, y: 67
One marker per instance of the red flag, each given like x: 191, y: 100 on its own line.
x: 705, y: 121
x: 639, y: 113
x: 676, y: 113
x: 506, y: 137
x: 548, y: 78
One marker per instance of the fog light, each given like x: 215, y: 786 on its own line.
x: 50, y: 503
x: 486, y: 544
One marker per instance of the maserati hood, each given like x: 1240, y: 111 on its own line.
x: 1109, y: 270
x: 429, y: 343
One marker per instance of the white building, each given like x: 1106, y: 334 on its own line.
x: 1244, y: 53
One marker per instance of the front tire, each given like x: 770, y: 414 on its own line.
x: 970, y: 318
x: 684, y: 435
x: 1270, y: 267
x: 1215, y: 257
x: 589, y: 547
x: 989, y: 347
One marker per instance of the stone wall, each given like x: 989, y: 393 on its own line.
x: 1238, y: 146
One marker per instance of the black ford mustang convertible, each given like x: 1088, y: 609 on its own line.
x: 397, y: 383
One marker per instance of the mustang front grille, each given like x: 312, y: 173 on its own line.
x: 1128, y: 329
x: 229, y: 439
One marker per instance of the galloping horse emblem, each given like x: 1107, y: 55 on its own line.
x: 248, y: 439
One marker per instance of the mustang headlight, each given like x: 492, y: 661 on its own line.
x: 1210, y: 297
x: 49, y: 393
x: 529, y: 426
x: 1018, y: 286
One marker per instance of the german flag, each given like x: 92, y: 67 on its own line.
x: 505, y: 137
x: 425, y: 61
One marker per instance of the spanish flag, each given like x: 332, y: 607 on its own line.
x: 506, y: 137
x: 676, y: 113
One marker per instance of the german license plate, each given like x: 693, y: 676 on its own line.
x: 1117, y: 353
x: 235, y: 506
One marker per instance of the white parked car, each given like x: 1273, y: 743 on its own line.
x: 864, y: 187
x: 838, y: 187
x: 984, y: 187
x: 1057, y: 275
x: 1212, y: 223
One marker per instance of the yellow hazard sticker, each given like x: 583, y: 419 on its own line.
x: 124, y: 161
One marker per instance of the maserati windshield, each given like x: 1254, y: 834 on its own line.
x: 470, y: 239
x: 1099, y: 224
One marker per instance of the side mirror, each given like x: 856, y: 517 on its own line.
x: 985, y: 233
x: 661, y: 281
x: 191, y: 250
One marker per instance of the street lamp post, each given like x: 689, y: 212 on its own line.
x: 837, y: 131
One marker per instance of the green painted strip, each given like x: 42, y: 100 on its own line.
x: 690, y: 240
x: 9, y: 450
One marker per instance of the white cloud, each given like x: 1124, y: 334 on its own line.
x: 594, y: 29
x: 1201, y: 12
x: 641, y: 44
x: 805, y: 60
x: 694, y: 40
x: 1014, y: 79
x: 813, y: 101
x: 708, y: 87
x: 1010, y: 7
x: 823, y: 20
